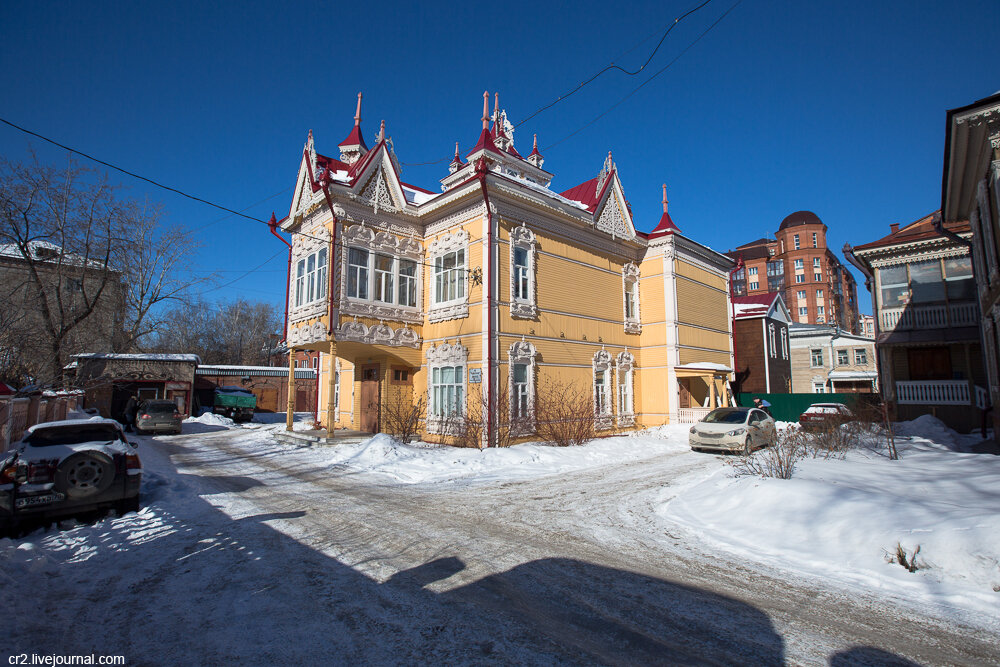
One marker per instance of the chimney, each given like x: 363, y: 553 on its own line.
x: 894, y: 227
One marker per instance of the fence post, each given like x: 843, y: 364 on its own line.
x: 6, y: 416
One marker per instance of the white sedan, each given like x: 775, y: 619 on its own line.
x: 734, y: 430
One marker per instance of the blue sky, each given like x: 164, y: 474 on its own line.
x: 837, y: 108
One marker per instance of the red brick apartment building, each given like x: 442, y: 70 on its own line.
x: 797, y: 264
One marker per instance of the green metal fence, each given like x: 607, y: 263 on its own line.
x: 788, y: 407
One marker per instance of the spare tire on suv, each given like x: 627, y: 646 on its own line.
x: 84, y: 474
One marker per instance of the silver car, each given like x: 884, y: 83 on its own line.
x: 733, y: 430
x: 160, y: 416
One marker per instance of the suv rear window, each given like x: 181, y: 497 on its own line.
x: 160, y: 407
x: 72, y: 435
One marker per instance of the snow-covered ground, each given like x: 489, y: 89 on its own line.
x: 263, y: 547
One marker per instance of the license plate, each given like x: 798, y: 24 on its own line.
x: 44, y: 499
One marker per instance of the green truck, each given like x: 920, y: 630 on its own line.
x: 234, y: 402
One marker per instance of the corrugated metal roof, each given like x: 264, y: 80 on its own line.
x: 258, y: 371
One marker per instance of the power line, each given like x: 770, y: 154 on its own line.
x: 607, y: 68
x: 643, y: 84
x: 247, y: 273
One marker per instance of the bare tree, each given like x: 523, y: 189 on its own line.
x: 229, y: 332
x: 60, y: 227
x: 565, y: 413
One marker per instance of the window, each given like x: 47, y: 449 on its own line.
x: 357, y: 273
x: 815, y: 243
x: 820, y: 310
x: 843, y: 358
x: 819, y: 294
x: 521, y: 356
x: 383, y: 278
x: 799, y: 278
x: 446, y: 391
x: 753, y: 271
x: 799, y: 264
x: 446, y: 387
x: 316, y: 362
x: 803, y: 310
x: 894, y: 286
x: 311, y: 278
x: 754, y: 285
x: 784, y: 343
x: 522, y: 275
x: 816, y: 357
x: 449, y: 276
x: 630, y: 285
x: 861, y: 357
x: 818, y: 277
x: 819, y: 388
x: 796, y: 240
x: 626, y: 411
x: 926, y: 282
x: 602, y: 389
x: 816, y: 264
x: 801, y: 294
x: 400, y: 375
x: 772, y: 347
x: 959, y: 284
x: 776, y: 268
x: 407, y: 283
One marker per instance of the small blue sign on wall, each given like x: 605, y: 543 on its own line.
x: 475, y: 375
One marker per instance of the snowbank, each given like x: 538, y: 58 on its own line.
x: 843, y: 519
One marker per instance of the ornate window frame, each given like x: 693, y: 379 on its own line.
x: 630, y: 285
x: 302, y: 247
x: 772, y: 342
x: 602, y: 408
x: 383, y: 243
x: 524, y: 238
x: 522, y: 352
x: 454, y: 308
x: 439, y: 356
x: 625, y: 377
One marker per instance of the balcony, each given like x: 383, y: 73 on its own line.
x: 691, y: 415
x: 962, y: 314
x: 940, y: 392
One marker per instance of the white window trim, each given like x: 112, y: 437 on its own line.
x: 772, y: 342
x: 454, y: 308
x: 857, y: 351
x: 522, y: 352
x: 363, y: 237
x: 630, y: 284
x: 848, y: 353
x: 439, y: 356
x: 811, y: 358
x: 524, y: 238
x: 625, y: 365
x: 784, y: 343
x: 602, y: 362
x: 302, y: 248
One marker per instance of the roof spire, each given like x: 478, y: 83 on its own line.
x: 357, y: 114
x: 664, y: 197
x: 486, y: 110
x: 496, y: 114
x: 535, y: 157
x: 381, y: 131
x: 456, y: 152
x: 534, y: 148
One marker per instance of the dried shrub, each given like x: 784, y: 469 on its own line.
x: 469, y: 430
x: 565, y: 413
x: 776, y: 461
x: 909, y: 562
x: 402, y: 414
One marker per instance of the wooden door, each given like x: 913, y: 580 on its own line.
x: 267, y: 401
x: 929, y: 363
x: 685, y: 393
x: 369, y: 398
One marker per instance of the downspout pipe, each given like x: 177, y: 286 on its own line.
x: 732, y: 307
x: 273, y: 224
x: 870, y: 286
x: 481, y: 172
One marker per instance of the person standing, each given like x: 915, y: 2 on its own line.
x: 131, y: 410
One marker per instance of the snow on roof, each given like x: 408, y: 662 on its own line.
x: 851, y: 375
x: 260, y: 371
x: 148, y: 356
x: 705, y: 366
x: 415, y: 195
x: 38, y: 248
x: 537, y: 187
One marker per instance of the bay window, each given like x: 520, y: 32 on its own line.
x: 449, y: 276
x: 384, y: 269
x: 311, y: 278
x: 357, y: 273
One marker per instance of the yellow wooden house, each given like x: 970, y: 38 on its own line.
x: 473, y: 301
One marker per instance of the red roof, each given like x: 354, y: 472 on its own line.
x: 6, y: 389
x: 586, y: 193
x: 757, y: 305
x: 665, y: 226
x: 765, y: 299
x: 513, y: 151
x: 485, y: 142
x: 919, y: 230
x: 354, y: 138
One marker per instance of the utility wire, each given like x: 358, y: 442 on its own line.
x: 643, y: 84
x: 607, y: 68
